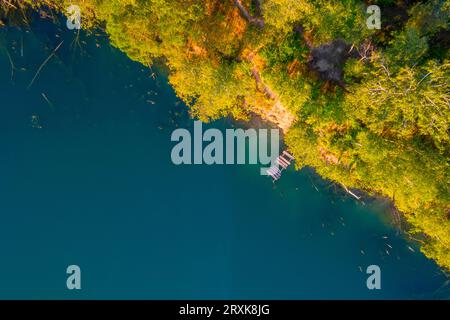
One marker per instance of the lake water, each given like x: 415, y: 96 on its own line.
x: 86, y: 178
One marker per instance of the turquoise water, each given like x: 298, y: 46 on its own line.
x: 86, y: 179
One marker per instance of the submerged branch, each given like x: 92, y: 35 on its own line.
x: 43, y: 64
x: 11, y: 63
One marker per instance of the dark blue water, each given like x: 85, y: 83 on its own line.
x: 86, y: 178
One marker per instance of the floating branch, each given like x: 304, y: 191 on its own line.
x: 350, y: 192
x: 47, y: 100
x: 43, y: 64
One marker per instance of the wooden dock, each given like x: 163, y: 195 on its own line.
x: 282, y: 163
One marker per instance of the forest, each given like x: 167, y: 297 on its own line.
x: 367, y: 108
